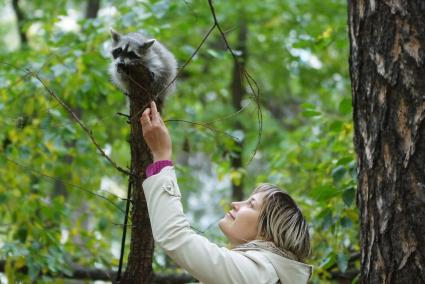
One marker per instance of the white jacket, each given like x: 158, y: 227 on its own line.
x: 203, y: 259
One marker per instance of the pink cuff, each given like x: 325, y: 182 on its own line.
x: 156, y: 167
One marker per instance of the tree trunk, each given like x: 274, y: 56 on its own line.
x: 20, y: 19
x: 387, y: 41
x: 139, y: 266
x: 238, y: 92
x: 92, y: 8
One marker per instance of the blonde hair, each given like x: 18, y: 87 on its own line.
x: 282, y: 222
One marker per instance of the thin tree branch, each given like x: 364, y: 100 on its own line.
x: 189, y: 60
x: 29, y: 169
x: 248, y: 77
x: 79, y: 122
x: 67, y: 108
x: 229, y: 115
x: 206, y: 125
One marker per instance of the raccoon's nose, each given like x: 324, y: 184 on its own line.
x: 121, y: 64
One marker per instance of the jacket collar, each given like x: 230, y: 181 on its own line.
x: 268, y: 246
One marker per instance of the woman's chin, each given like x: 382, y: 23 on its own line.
x: 222, y: 224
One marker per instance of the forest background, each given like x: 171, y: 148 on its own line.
x: 52, y: 218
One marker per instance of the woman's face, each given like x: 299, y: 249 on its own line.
x: 240, y: 225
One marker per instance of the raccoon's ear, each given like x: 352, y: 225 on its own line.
x: 115, y: 35
x: 147, y: 44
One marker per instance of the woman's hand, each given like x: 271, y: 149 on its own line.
x: 156, y: 134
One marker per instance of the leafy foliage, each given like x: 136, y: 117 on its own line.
x: 297, y: 53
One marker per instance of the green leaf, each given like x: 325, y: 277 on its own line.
x: 328, y: 261
x: 345, y: 160
x: 348, y: 196
x: 306, y: 106
x: 214, y: 53
x: 21, y: 234
x: 336, y: 126
x: 346, y: 222
x: 3, y: 198
x: 345, y: 106
x: 328, y: 220
x: 324, y: 192
x: 342, y: 262
x: 338, y: 173
x: 311, y: 113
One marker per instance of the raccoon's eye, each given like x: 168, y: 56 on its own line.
x: 132, y: 55
x: 116, y: 52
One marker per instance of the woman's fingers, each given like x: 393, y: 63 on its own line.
x: 154, y: 112
x: 156, y: 134
x: 145, y: 119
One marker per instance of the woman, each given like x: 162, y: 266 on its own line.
x: 268, y: 233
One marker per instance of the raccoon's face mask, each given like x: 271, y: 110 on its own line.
x: 127, y: 50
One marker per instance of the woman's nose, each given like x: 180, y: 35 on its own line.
x: 235, y: 205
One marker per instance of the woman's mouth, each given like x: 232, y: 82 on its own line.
x: 231, y: 215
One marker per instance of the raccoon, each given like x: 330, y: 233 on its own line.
x: 134, y: 54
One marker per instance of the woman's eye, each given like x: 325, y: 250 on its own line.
x: 116, y: 52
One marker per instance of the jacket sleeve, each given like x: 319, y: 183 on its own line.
x: 201, y: 258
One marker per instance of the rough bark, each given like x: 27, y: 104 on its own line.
x: 238, y: 92
x: 387, y: 41
x: 139, y: 266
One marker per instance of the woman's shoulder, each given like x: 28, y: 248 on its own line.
x: 288, y: 269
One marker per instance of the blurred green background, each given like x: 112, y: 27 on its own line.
x: 297, y: 52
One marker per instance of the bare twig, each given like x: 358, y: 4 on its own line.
x: 87, y: 130
x: 229, y: 115
x: 248, y: 77
x: 206, y: 125
x: 26, y: 75
x: 30, y: 73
